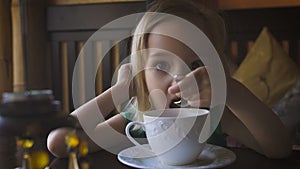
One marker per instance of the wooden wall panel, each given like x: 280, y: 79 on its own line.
x: 36, y: 75
x: 5, y: 48
x: 255, y: 4
x: 221, y: 4
x: 88, y: 17
x: 39, y: 60
x: 18, y: 57
x: 75, y: 25
x: 77, y: 2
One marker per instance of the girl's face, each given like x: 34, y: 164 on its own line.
x: 167, y: 58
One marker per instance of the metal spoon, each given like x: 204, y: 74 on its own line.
x: 182, y: 102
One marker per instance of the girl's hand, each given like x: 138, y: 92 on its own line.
x: 195, y: 88
x: 124, y: 75
x: 124, y: 81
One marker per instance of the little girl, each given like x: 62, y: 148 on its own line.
x: 164, y: 68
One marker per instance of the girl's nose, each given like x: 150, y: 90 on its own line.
x: 178, y: 77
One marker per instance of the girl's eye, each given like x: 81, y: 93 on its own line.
x: 162, y: 66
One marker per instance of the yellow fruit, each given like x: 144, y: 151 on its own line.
x: 72, y: 140
x: 39, y: 159
x: 25, y: 143
x: 83, y: 148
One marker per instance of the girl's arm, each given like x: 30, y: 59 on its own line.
x: 253, y: 123
x: 56, y: 139
x: 93, y: 113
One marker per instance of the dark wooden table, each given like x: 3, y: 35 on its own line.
x: 246, y: 159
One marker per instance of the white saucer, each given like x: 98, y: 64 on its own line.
x: 211, y: 157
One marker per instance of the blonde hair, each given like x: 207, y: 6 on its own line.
x: 191, y: 11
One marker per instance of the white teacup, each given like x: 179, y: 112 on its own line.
x: 173, y: 134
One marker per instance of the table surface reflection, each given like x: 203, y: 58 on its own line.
x: 246, y: 159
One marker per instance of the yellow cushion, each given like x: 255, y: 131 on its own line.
x: 267, y: 70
